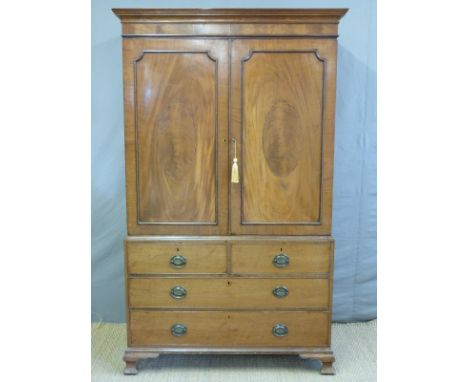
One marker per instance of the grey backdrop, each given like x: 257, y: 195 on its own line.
x: 354, y: 200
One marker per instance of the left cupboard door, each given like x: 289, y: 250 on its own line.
x: 176, y: 118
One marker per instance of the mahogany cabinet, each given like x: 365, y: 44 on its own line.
x: 229, y: 128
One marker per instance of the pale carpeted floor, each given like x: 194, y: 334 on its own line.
x: 354, y: 346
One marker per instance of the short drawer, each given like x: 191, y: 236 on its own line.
x: 283, y: 257
x: 228, y: 293
x: 150, y: 257
x: 229, y: 328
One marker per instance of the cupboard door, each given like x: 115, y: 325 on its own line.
x: 282, y: 116
x: 176, y: 117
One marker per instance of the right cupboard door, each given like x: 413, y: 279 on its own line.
x: 282, y: 117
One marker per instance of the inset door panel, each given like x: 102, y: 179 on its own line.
x: 283, y: 122
x: 281, y: 130
x: 176, y: 130
x: 179, y: 111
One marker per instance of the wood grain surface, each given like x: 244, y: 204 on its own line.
x: 257, y: 257
x: 228, y: 328
x: 228, y: 293
x: 176, y: 133
x: 282, y: 108
x: 234, y: 16
x: 281, y: 137
x: 147, y: 257
x: 194, y: 79
x: 155, y: 29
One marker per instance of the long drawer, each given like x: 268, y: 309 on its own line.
x: 174, y: 257
x: 281, y: 257
x: 228, y: 293
x: 225, y: 328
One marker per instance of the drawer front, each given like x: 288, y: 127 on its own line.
x: 164, y: 328
x: 228, y: 293
x: 283, y: 257
x: 147, y: 258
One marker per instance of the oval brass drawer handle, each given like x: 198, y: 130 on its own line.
x: 280, y: 291
x: 178, y: 261
x: 178, y: 292
x: 281, y: 260
x: 280, y: 330
x: 178, y: 330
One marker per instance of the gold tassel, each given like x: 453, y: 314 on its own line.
x: 235, y: 168
x: 234, y: 172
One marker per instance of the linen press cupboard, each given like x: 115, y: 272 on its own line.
x: 229, y: 129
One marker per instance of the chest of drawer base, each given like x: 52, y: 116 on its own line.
x: 228, y: 303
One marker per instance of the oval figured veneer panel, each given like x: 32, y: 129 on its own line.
x: 176, y: 116
x: 282, y: 100
x: 176, y: 144
x: 282, y: 138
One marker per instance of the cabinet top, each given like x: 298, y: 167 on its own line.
x: 231, y: 15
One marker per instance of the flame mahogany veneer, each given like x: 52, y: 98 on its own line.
x: 214, y: 266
